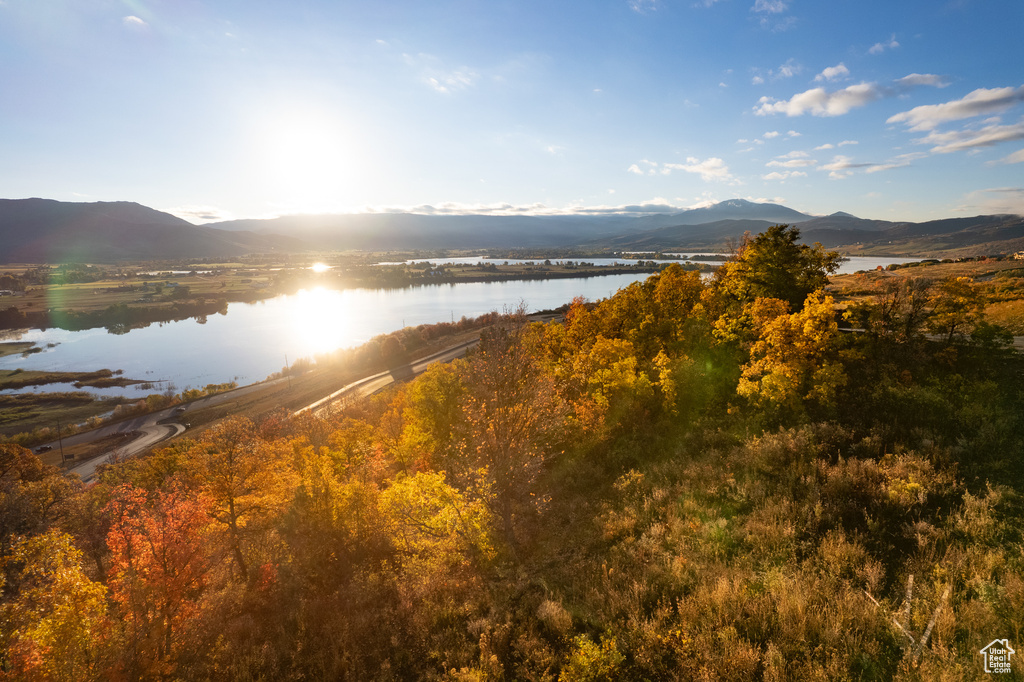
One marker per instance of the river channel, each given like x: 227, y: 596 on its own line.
x: 253, y: 340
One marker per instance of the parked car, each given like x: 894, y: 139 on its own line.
x: 44, y: 448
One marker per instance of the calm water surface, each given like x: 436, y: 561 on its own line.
x: 252, y: 340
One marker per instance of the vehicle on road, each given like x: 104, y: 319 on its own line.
x: 44, y: 448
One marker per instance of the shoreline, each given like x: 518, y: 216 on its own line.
x: 119, y: 318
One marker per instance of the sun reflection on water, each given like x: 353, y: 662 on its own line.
x: 320, y: 321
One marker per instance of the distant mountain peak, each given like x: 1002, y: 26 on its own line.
x: 841, y: 214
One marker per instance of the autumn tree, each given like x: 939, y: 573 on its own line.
x: 513, y: 415
x: 33, y: 496
x: 433, y: 416
x: 958, y: 306
x: 652, y: 314
x: 774, y: 265
x: 158, y: 572
x: 794, y: 358
x: 52, y: 617
x: 897, y: 313
x: 246, y: 480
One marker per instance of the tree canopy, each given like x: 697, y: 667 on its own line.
x: 775, y: 265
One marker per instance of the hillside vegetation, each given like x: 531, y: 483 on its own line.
x: 687, y: 480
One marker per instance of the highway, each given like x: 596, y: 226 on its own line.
x: 148, y: 430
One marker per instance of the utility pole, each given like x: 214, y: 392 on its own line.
x: 288, y: 371
x: 60, y: 441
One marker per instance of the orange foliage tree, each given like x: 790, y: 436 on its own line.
x: 158, y: 571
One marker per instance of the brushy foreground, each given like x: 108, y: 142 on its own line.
x: 684, y: 481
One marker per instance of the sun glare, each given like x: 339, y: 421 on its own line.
x: 319, y: 267
x: 319, y: 321
x: 306, y: 159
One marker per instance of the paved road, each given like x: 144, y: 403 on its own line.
x: 148, y: 430
x: 372, y: 384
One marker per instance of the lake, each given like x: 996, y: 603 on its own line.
x: 252, y: 340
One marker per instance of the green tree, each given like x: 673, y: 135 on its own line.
x: 774, y: 265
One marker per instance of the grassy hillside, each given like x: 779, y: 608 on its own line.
x: 688, y: 480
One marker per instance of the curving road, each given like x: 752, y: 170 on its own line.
x: 377, y: 382
x: 148, y: 429
x: 155, y: 427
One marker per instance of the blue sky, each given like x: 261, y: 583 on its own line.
x: 898, y: 110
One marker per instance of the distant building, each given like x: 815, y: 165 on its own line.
x: 1018, y: 256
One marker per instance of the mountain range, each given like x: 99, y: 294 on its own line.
x: 43, y: 230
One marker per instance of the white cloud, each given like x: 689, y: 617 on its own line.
x: 833, y: 73
x: 643, y: 6
x: 819, y: 102
x: 901, y: 161
x: 879, y: 48
x: 770, y: 6
x: 842, y: 167
x: 915, y: 79
x: 789, y: 69
x: 847, y: 143
x: 980, y: 102
x: 710, y: 169
x: 1016, y: 157
x: 197, y: 215
x: 635, y: 169
x: 439, y: 77
x: 840, y: 162
x: 792, y: 133
x: 972, y: 138
x: 722, y: 85
x: 785, y: 175
x: 771, y: 134
x: 757, y: 80
x: 794, y: 155
x: 133, y: 21
x: 451, y: 81
x: 824, y: 146
x: 997, y: 200
x: 655, y: 205
x: 792, y: 163
x: 770, y: 12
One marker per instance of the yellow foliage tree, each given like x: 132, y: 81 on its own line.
x: 247, y: 480
x: 794, y: 357
x: 51, y: 629
x: 957, y: 308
